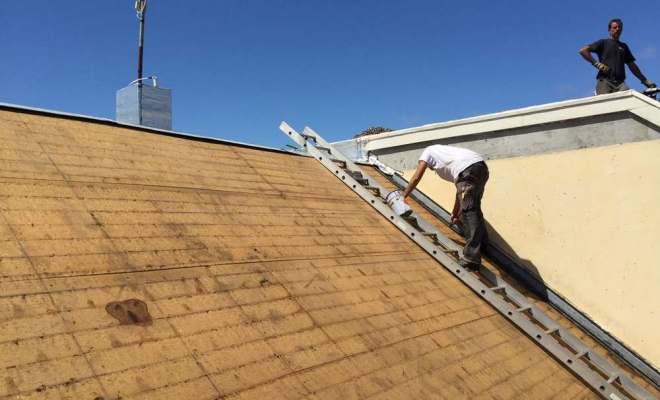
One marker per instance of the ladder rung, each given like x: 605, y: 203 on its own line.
x: 341, y: 163
x: 374, y: 188
x: 582, y: 353
x: 354, y: 174
x: 306, y: 136
x: 429, y: 234
x: 496, y: 288
x: 552, y: 330
x: 613, y: 378
x: 322, y: 148
x: 522, y: 309
x: 449, y: 251
x: 291, y: 147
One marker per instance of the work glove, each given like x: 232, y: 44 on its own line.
x: 602, y: 67
x: 648, y: 83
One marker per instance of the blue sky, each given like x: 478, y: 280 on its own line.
x: 237, y: 68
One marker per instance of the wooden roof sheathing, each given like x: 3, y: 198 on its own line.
x: 264, y: 277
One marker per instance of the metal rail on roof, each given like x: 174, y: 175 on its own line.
x: 572, y: 352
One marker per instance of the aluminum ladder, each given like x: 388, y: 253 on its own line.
x: 605, y: 378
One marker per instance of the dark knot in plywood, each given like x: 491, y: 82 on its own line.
x: 130, y: 312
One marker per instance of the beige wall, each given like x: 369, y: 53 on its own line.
x: 587, y: 222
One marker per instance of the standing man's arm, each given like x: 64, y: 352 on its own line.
x: 585, y: 52
x: 638, y: 73
x: 417, y: 176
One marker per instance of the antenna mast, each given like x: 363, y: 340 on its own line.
x: 141, y: 9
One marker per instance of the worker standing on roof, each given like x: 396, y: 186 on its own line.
x: 612, y: 57
x: 469, y: 172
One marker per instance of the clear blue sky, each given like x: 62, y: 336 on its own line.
x: 237, y: 68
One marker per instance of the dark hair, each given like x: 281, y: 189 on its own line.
x: 617, y: 20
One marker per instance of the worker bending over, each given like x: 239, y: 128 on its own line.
x: 469, y: 172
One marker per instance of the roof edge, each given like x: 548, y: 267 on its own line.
x: 527, y: 116
x: 157, y: 131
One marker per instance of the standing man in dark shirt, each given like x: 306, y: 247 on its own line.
x: 612, y: 57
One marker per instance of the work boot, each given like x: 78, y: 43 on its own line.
x: 469, y: 265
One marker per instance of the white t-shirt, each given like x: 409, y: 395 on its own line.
x: 448, y: 162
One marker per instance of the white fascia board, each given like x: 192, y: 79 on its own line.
x: 536, y: 115
x: 649, y: 113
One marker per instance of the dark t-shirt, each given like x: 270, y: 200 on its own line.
x: 615, y: 55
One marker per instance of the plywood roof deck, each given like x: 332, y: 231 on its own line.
x: 263, y: 275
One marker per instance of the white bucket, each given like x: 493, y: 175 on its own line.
x: 397, y: 204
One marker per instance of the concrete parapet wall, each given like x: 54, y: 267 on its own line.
x: 597, y: 131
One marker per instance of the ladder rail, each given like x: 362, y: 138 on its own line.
x: 351, y: 166
x: 515, y: 313
x: 566, y: 336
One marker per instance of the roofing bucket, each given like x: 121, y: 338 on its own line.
x: 396, y: 202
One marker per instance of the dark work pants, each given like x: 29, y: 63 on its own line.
x: 470, y: 189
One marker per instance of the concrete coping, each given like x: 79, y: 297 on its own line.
x: 628, y: 101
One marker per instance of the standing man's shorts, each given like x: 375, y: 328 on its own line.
x: 604, y: 86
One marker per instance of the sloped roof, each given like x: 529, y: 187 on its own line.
x: 264, y: 277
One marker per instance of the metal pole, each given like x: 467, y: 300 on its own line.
x: 141, y: 8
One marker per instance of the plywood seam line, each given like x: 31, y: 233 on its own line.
x: 633, y: 359
x: 177, y: 335
x: 207, y: 264
x: 64, y: 322
x: 570, y: 351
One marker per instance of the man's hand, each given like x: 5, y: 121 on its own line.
x: 454, y: 219
x: 602, y: 67
x: 648, y: 83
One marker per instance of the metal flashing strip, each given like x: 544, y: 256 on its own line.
x: 537, y: 286
x: 41, y: 111
x: 568, y: 350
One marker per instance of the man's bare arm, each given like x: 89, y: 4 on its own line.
x: 638, y: 73
x: 455, y: 211
x: 586, y: 54
x: 417, y: 176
